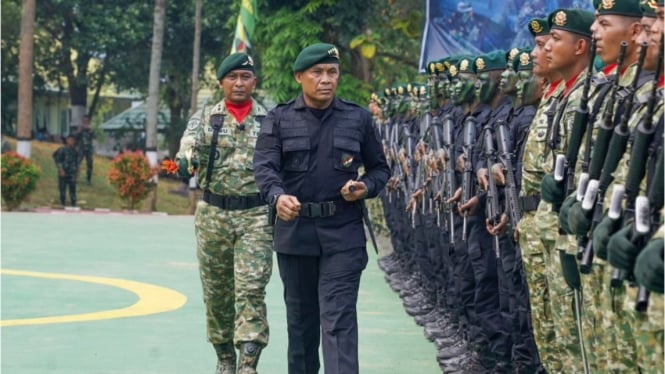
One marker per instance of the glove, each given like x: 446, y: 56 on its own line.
x: 578, y: 220
x: 621, y: 252
x: 551, y: 190
x: 564, y: 212
x: 601, y: 235
x: 183, y: 167
x: 569, y: 269
x: 649, y: 266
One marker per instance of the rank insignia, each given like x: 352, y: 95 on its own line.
x: 347, y: 160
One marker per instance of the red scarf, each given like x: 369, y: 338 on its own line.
x: 570, y: 83
x: 239, y: 111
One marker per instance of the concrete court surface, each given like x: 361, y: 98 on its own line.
x: 111, y: 293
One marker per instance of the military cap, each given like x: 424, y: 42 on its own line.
x: 465, y: 64
x: 235, y: 61
x: 577, y: 21
x: 431, y: 67
x: 628, y: 8
x: 538, y: 27
x: 495, y: 60
x: 511, y: 54
x: 648, y: 8
x: 319, y: 53
x: 523, y: 60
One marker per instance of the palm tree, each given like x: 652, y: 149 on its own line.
x: 153, y: 91
x: 195, y: 89
x: 24, y: 127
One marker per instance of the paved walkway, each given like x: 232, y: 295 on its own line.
x: 120, y: 294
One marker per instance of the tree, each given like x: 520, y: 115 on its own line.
x: 25, y: 79
x: 153, y: 91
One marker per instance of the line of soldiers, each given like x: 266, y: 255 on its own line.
x: 525, y: 204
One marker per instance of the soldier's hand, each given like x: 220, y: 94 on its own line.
x: 460, y: 163
x: 470, y: 207
x: 499, y: 228
x: 288, y: 207
x: 483, y: 180
x: 415, y: 198
x: 498, y: 175
x: 649, y: 266
x: 456, y: 196
x: 354, y: 190
x: 61, y: 172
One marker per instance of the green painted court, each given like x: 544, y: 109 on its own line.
x: 86, y: 292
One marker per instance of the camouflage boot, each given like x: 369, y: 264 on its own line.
x: 249, y: 357
x: 226, y: 356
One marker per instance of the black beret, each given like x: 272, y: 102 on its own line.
x: 235, y: 61
x: 320, y: 53
x: 538, y: 27
x: 628, y: 8
x: 577, y: 21
x: 648, y: 8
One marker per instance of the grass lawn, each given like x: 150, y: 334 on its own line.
x: 171, y: 196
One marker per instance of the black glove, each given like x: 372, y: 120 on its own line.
x: 551, y: 190
x: 564, y: 212
x: 649, y: 266
x: 602, y: 233
x: 183, y: 165
x: 578, y: 220
x: 569, y: 269
x: 621, y: 251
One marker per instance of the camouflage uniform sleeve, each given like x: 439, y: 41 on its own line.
x: 190, y: 135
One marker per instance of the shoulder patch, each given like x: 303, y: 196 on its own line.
x: 193, y: 123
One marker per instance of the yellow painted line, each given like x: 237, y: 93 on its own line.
x: 152, y: 299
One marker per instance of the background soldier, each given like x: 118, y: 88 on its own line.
x: 67, y: 160
x: 84, y: 143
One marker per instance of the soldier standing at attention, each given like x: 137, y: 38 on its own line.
x: 84, y: 138
x: 306, y: 165
x: 67, y: 160
x: 234, y: 239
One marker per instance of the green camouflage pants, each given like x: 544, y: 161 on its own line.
x: 234, y: 249
x: 592, y: 316
x: 647, y: 331
x: 536, y: 246
x: 618, y: 340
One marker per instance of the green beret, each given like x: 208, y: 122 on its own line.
x: 511, y: 54
x: 523, y: 61
x: 464, y: 65
x: 431, y: 67
x: 577, y: 21
x: 538, y: 27
x: 627, y: 8
x: 648, y: 8
x: 495, y: 60
x: 235, y: 61
x: 319, y: 53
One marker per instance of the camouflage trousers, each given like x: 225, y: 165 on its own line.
x: 647, y: 331
x: 536, y: 245
x: 234, y: 249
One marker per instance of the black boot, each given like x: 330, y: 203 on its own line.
x: 249, y: 357
x: 226, y: 358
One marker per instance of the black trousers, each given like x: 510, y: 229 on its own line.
x: 64, y: 182
x: 320, y: 294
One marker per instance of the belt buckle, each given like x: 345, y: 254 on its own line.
x: 315, y: 210
x: 232, y: 202
x: 331, y: 208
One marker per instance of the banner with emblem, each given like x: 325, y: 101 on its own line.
x: 480, y: 26
x: 244, y: 27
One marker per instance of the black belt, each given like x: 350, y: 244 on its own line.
x: 233, y: 202
x: 315, y: 210
x: 529, y: 203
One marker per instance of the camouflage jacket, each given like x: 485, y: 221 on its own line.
x: 232, y: 169
x: 67, y: 158
x: 84, y: 140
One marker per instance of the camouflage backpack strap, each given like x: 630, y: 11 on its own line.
x: 216, y: 121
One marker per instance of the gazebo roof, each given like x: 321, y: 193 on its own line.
x: 135, y: 119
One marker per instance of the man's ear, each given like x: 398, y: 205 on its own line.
x: 582, y: 46
x: 298, y: 76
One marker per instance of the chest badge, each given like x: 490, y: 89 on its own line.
x: 347, y: 160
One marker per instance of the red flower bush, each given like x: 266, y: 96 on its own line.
x: 19, y: 179
x: 132, y: 177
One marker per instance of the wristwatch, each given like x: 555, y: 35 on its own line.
x: 273, y: 199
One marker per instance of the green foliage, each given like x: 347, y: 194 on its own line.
x: 19, y: 179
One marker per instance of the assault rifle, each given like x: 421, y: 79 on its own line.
x: 505, y: 153
x: 467, y: 178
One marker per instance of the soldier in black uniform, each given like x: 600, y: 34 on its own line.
x: 306, y: 166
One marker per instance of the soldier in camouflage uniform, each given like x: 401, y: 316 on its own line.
x: 234, y: 239
x: 67, y: 160
x: 84, y: 138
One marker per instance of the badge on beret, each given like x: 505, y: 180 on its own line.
x: 431, y: 67
x: 513, y: 52
x: 249, y: 62
x: 464, y: 65
x: 423, y: 91
x: 333, y: 52
x: 453, y: 70
x: 480, y: 64
x: 347, y: 160
x: 536, y: 27
x: 439, y: 67
x: 409, y: 88
x: 650, y: 3
x: 400, y: 90
x: 608, y: 4
x: 560, y: 18
x: 524, y: 58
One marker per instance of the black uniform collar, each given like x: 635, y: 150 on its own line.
x: 299, y: 103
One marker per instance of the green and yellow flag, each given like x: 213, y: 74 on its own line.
x: 245, y: 27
